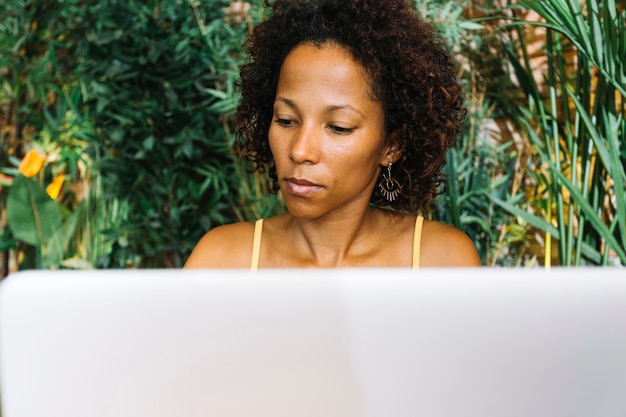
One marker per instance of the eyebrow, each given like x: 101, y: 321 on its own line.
x: 329, y: 109
x: 345, y: 107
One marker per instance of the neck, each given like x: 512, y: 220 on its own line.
x: 331, y: 240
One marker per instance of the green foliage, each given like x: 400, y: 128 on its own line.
x: 148, y: 87
x: 35, y: 101
x: 480, y: 168
x: 479, y: 171
x: 155, y: 92
x: 133, y: 102
x: 38, y: 217
x: 577, y: 126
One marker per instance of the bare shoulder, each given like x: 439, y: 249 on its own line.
x: 444, y: 245
x: 227, y: 246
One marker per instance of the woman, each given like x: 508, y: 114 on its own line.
x: 350, y: 105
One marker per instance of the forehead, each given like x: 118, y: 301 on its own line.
x: 326, y: 65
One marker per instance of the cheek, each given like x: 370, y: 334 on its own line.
x: 272, y: 141
x: 369, y: 147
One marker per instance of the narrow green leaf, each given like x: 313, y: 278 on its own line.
x: 468, y: 25
x: 597, y: 38
x: 617, y: 173
x: 598, y: 141
x: 453, y: 188
x: 592, y: 215
x: 529, y: 218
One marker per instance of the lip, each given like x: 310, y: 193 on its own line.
x: 301, y: 187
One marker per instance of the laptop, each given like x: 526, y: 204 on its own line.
x: 488, y: 342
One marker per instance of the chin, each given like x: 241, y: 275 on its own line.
x: 303, y: 210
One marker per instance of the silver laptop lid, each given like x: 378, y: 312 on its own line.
x: 363, y: 342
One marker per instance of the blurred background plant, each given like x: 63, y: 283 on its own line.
x: 128, y: 106
x: 43, y: 138
x: 131, y: 102
x: 565, y: 94
x: 485, y: 164
x: 155, y: 80
x: 538, y: 175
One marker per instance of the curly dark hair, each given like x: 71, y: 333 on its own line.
x: 412, y: 75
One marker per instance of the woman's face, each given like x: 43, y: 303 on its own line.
x: 327, y: 135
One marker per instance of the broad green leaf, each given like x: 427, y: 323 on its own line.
x: 32, y: 215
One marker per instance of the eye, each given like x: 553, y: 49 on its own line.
x: 284, y: 122
x: 341, y: 130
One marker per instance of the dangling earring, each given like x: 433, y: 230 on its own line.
x: 389, y: 187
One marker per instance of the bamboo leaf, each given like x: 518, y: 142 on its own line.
x: 527, y: 217
x: 62, y: 236
x: 590, y: 214
x: 598, y: 141
x: 595, y: 26
x: 453, y: 189
x: 617, y: 174
x: 618, y: 80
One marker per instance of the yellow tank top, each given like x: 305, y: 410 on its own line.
x: 258, y: 231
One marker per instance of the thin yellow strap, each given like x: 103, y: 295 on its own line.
x: 417, y: 238
x: 256, y: 245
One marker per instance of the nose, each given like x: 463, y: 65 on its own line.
x: 305, y: 145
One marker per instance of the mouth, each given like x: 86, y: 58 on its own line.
x: 301, y: 187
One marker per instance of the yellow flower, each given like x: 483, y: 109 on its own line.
x: 31, y: 164
x: 54, y: 188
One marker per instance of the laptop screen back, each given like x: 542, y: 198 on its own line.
x: 362, y: 342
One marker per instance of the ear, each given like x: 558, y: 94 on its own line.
x: 392, y: 151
